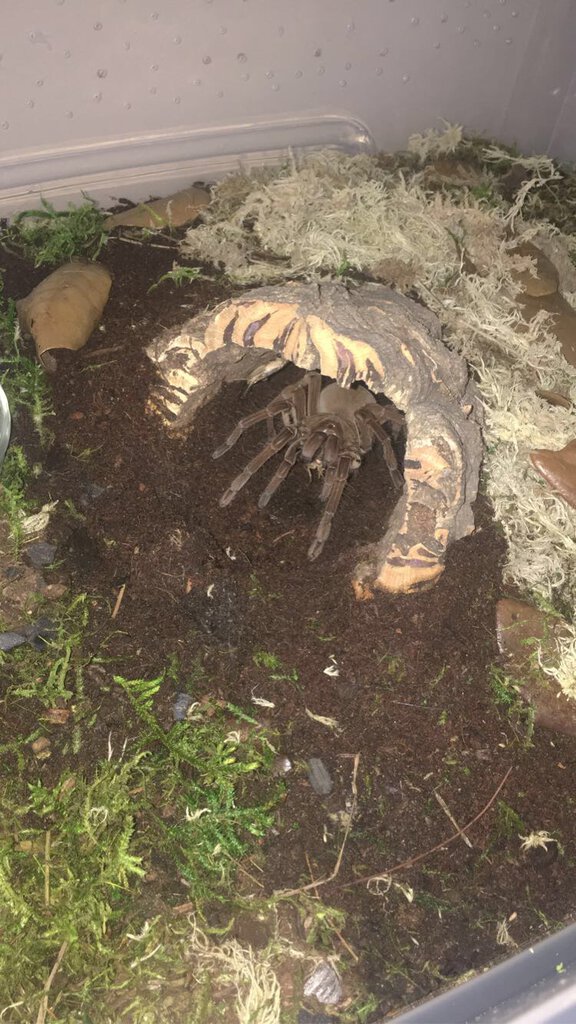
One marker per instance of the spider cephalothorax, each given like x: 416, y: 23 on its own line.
x: 329, y: 428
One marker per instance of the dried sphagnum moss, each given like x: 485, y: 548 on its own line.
x: 333, y: 214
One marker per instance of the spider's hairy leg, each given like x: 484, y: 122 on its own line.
x: 290, y: 456
x: 279, y: 405
x: 280, y: 441
x: 338, y: 483
x: 374, y: 422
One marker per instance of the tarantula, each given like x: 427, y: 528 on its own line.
x: 330, y: 429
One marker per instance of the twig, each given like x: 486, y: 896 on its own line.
x: 43, y: 1010
x: 333, y: 927
x: 47, y: 842
x: 451, y: 818
x: 97, y: 352
x: 119, y: 600
x: 285, y: 893
x: 281, y: 535
x: 434, y: 849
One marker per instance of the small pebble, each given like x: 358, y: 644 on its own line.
x: 41, y: 747
x: 12, y: 572
x: 319, y: 777
x: 57, y: 716
x: 40, y: 554
x: 10, y: 640
x: 282, y: 765
x: 182, y: 702
x: 325, y: 984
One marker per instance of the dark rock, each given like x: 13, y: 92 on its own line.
x: 12, y: 572
x: 319, y: 777
x: 40, y: 553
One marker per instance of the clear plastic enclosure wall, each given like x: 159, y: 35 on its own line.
x: 121, y: 96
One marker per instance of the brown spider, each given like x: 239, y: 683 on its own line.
x: 330, y: 429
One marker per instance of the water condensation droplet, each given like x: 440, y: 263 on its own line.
x: 128, y: 106
x: 206, y: 60
x: 342, y: 83
x: 5, y: 125
x: 154, y: 16
x: 177, y: 100
x: 275, y: 87
x: 223, y: 30
x: 153, y: 90
x: 67, y: 54
x: 102, y: 73
x: 436, y: 46
x: 97, y: 97
x: 241, y: 58
x: 196, y: 82
x: 281, y: 30
x: 321, y: 71
x: 69, y: 114
x: 379, y: 71
x: 476, y: 43
x: 220, y: 93
x: 384, y: 53
x: 444, y: 19
x: 30, y: 103
x: 39, y: 82
x: 245, y: 76
x: 177, y: 40
x: 508, y: 41
x: 495, y: 28
x: 414, y: 21
x: 298, y: 74
x: 350, y: 26
x: 405, y: 78
x: 318, y: 52
x: 461, y: 29
x: 269, y: 74
x: 348, y: 66
x: 514, y: 14
x: 98, y: 26
x: 154, y: 67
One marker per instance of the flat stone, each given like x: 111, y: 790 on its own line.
x: 319, y: 777
x: 554, y: 398
x: 519, y: 628
x: 546, y: 281
x: 177, y: 209
x: 324, y: 983
x: 558, y: 469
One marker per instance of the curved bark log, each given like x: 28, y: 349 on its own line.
x: 370, y: 334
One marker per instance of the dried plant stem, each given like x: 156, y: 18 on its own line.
x: 43, y: 1010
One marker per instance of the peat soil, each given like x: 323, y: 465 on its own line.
x: 227, y: 597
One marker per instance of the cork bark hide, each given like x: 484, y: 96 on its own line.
x: 369, y: 334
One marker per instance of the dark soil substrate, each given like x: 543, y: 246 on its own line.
x: 207, y: 588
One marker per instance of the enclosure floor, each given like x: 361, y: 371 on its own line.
x: 214, y: 586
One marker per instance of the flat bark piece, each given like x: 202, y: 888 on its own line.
x: 520, y: 629
x: 558, y: 469
x: 370, y: 334
x: 546, y: 279
x: 180, y: 208
x: 63, y: 310
x: 554, y: 398
x: 563, y: 325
